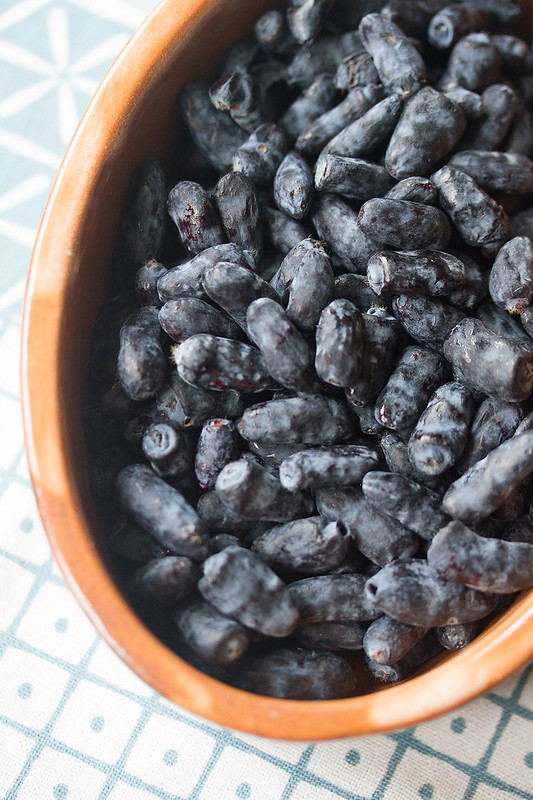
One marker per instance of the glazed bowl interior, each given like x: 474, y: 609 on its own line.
x: 133, y: 118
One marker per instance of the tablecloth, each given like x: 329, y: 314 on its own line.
x: 75, y: 723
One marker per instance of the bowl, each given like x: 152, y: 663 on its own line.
x: 130, y: 119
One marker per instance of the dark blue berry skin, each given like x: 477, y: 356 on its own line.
x: 143, y: 224
x: 168, y: 450
x: 339, y: 343
x: 455, y: 637
x: 236, y: 200
x: 429, y: 127
x: 262, y: 153
x: 141, y: 363
x: 506, y: 11
x: 163, y: 582
x: 365, y: 135
x: 283, y: 231
x: 356, y: 103
x: 451, y: 23
x: 355, y: 288
x: 338, y: 225
x: 526, y: 318
x: 470, y: 103
x: 333, y: 598
x: 313, y: 545
x: 215, y: 637
x: 427, y: 320
x: 185, y: 280
x: 233, y: 287
x: 130, y: 541
x: 473, y: 351
x: 314, y: 101
x: 380, y: 342
x: 314, y: 419
x: 330, y: 636
x: 375, y: 534
x: 414, y: 505
x: 404, y: 225
x: 525, y: 425
x: 479, y: 219
x: 502, y: 324
x: 287, y: 355
x: 162, y: 511
x: 251, y: 491
x: 305, y: 282
x: 222, y: 540
x: 355, y: 70
x: 351, y: 177
x: 336, y: 465
x: 420, y: 653
x: 386, y: 640
x: 272, y: 34
x: 474, y: 289
x: 490, y: 565
x: 412, y: 16
x: 409, y: 387
x: 299, y: 675
x: 215, y: 134
x: 511, y: 276
x: 366, y: 417
x: 319, y: 57
x: 306, y: 19
x: 474, y: 62
x: 217, y: 364
x: 415, y: 272
x: 219, y: 517
x: 489, y: 482
x: 218, y: 444
x: 239, y: 585
x: 417, y: 189
x: 500, y: 104
x: 520, y: 530
x: 514, y: 51
x: 440, y: 435
x: 185, y: 316
x: 240, y: 94
x: 193, y: 214
x: 201, y: 404
x: 398, y: 63
x: 413, y: 592
x: 293, y: 186
x: 145, y: 282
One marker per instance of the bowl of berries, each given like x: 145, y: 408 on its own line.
x: 278, y: 360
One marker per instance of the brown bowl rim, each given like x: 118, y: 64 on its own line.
x: 505, y: 646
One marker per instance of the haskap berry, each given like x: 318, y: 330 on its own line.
x: 309, y: 414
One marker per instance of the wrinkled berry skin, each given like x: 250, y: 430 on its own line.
x: 162, y: 511
x: 299, y: 675
x: 511, y: 276
x: 416, y: 272
x: 408, y: 389
x: 473, y: 351
x: 404, y: 225
x: 440, y: 434
x: 251, y: 491
x: 209, y: 633
x: 293, y: 186
x: 414, y: 505
x: 398, y: 63
x: 191, y: 211
x: 486, y: 485
x: 312, y: 545
x: 240, y: 94
x: 165, y: 581
x: 211, y: 362
x: 337, y: 465
x: 144, y: 223
x: 339, y: 343
x: 429, y: 127
x: 479, y: 219
x: 239, y: 585
x: 236, y: 200
x: 141, y: 363
x: 313, y: 419
x: 413, y: 592
x: 490, y: 565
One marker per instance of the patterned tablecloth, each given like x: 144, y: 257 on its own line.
x: 75, y: 723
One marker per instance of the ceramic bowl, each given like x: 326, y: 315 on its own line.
x: 131, y: 118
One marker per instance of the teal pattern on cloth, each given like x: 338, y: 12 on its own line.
x: 75, y: 723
